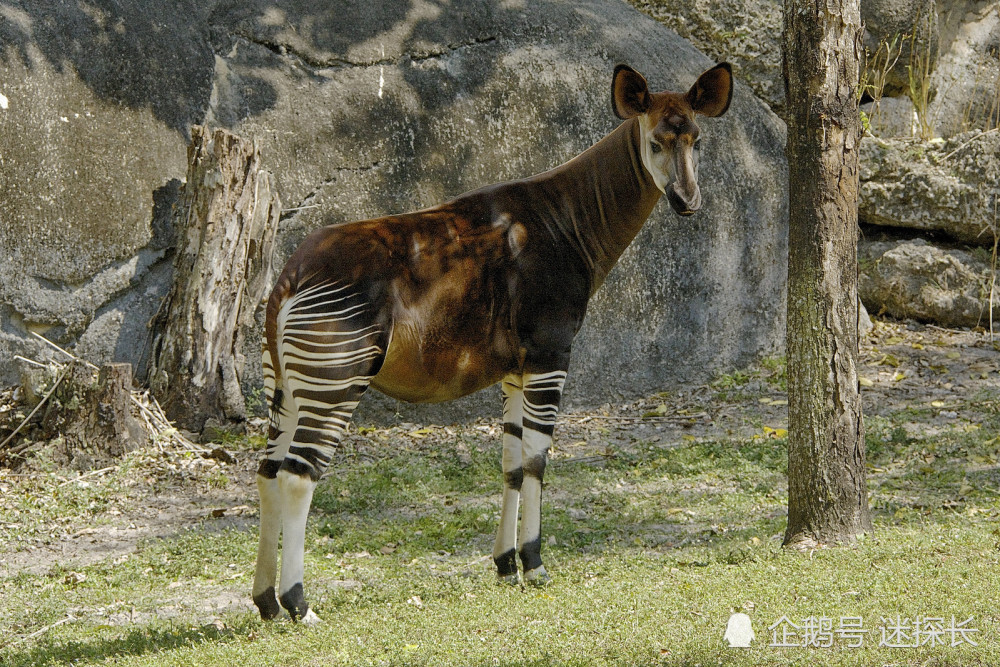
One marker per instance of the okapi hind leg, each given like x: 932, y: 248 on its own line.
x: 317, y: 435
x: 329, y: 358
x: 281, y: 426
x: 504, y: 549
x: 542, y: 394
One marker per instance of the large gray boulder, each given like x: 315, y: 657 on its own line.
x: 424, y: 108
x: 911, y: 27
x: 950, y: 47
x: 96, y: 101
x: 967, y: 76
x: 364, y: 109
x: 948, y: 186
x: 916, y: 280
x: 746, y: 33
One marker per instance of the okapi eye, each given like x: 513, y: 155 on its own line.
x: 655, y: 147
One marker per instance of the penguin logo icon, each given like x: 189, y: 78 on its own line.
x: 739, y: 631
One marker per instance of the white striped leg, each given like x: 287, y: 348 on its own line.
x: 319, y: 430
x: 280, y: 430
x: 296, y: 495
x: 329, y: 352
x: 542, y: 393
x: 506, y: 542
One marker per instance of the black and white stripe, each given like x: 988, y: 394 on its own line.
x: 328, y: 350
x: 531, y: 406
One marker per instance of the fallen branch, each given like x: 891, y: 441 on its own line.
x: 32, y: 413
x: 978, y: 136
x: 36, y: 633
x: 651, y: 419
x: 87, y: 474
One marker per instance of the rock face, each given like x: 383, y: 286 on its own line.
x: 957, y: 41
x: 364, y: 109
x: 913, y: 24
x: 96, y: 99
x: 948, y: 186
x: 916, y: 280
x: 967, y: 77
x: 455, y: 105
x: 746, y: 33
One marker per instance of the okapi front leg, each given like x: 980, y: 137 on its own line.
x: 542, y: 393
x: 504, y: 549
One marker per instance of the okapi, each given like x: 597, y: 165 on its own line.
x: 489, y: 287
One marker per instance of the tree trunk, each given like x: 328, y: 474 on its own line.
x: 227, y: 220
x: 89, y: 420
x: 827, y: 485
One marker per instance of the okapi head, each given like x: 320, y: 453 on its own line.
x: 669, y: 133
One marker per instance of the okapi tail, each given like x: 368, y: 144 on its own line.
x: 279, y: 295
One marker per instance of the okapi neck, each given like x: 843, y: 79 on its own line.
x: 607, y: 195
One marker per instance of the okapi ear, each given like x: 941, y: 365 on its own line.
x: 713, y: 91
x: 629, y: 93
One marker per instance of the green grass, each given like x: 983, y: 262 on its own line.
x: 653, y: 549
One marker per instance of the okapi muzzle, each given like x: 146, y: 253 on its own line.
x: 668, y: 131
x: 490, y: 287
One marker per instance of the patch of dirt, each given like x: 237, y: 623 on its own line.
x: 159, y: 498
x: 939, y: 375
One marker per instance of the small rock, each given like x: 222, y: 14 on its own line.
x: 219, y: 454
x: 217, y: 431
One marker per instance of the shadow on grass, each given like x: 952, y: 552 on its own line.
x: 716, y: 495
x: 424, y: 501
x: 931, y: 478
x: 136, y: 642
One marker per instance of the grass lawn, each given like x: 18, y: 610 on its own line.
x: 652, y: 544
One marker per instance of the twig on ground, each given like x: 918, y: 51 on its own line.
x: 32, y: 413
x: 942, y: 329
x: 40, y: 632
x: 87, y: 474
x: 583, y: 459
x: 630, y: 418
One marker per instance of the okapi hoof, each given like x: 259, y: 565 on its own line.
x: 508, y: 579
x: 295, y: 602
x: 268, y: 605
x: 310, y: 618
x: 537, y: 577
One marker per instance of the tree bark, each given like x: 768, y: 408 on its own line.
x: 88, y: 420
x: 827, y: 483
x: 227, y: 220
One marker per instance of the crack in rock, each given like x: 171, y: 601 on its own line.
x: 74, y: 306
x: 310, y: 61
x: 306, y: 202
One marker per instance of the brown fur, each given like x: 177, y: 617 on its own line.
x: 498, y: 279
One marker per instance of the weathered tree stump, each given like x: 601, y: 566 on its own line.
x: 88, y: 420
x: 227, y: 219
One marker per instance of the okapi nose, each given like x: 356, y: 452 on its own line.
x: 681, y: 205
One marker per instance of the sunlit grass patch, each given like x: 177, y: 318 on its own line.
x: 652, y: 545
